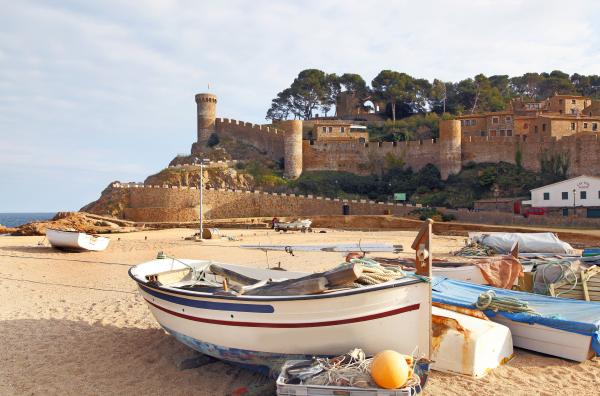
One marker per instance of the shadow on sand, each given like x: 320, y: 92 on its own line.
x: 75, y: 357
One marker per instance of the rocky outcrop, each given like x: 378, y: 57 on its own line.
x: 112, y: 202
x: 214, y: 177
x: 75, y: 221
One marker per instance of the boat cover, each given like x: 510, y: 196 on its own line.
x: 574, y: 316
x: 534, y: 242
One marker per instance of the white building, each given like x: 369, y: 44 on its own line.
x: 581, y: 192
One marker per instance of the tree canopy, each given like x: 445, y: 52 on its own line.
x: 314, y: 92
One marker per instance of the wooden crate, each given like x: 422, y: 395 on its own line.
x: 587, y: 287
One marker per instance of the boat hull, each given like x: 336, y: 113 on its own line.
x: 76, y: 241
x: 265, y: 331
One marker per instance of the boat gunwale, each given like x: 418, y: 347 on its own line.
x: 341, y: 293
x: 76, y: 232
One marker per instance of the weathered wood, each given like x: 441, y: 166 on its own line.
x: 422, y: 247
x: 302, y: 286
x: 342, y: 275
x: 515, y: 250
x: 232, y: 275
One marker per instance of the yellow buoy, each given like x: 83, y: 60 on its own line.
x: 389, y: 369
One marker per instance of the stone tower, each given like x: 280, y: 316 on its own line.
x: 206, y: 105
x: 450, y: 148
x: 292, y: 148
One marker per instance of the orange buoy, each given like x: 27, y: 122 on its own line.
x: 389, y: 369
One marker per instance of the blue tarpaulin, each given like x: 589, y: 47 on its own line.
x: 575, y: 316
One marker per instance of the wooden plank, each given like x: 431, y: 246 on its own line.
x: 168, y: 277
x: 232, y: 275
x: 298, y: 288
x: 422, y: 247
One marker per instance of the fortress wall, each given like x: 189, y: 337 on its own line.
x: 169, y: 204
x: 364, y: 158
x: 581, y: 149
x: 485, y: 149
x: 267, y: 139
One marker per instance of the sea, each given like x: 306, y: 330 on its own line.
x: 17, y: 219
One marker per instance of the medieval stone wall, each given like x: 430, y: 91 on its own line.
x: 267, y: 139
x: 583, y: 151
x: 181, y: 204
x: 368, y: 158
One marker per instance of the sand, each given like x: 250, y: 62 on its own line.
x: 72, y: 323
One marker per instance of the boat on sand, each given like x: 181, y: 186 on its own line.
x: 75, y: 240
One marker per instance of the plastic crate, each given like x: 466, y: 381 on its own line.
x: 284, y: 389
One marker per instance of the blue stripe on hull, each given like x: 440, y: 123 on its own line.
x: 218, y: 306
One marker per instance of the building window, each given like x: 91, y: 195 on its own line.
x: 462, y: 122
x: 343, y: 129
x: 582, y: 194
x: 565, y: 195
x: 543, y: 127
x: 473, y: 122
x: 565, y: 211
x: 508, y: 118
x: 495, y: 120
x: 573, y: 111
x: 572, y: 126
x: 594, y: 126
x: 546, y: 196
x: 502, y: 132
x: 330, y: 129
x: 525, y: 126
x: 493, y: 133
x: 509, y: 132
x: 324, y: 129
x: 483, y: 133
x: 573, y: 101
x: 535, y: 129
x: 585, y: 125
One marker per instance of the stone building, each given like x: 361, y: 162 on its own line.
x: 336, y: 130
x: 525, y: 133
x: 557, y: 116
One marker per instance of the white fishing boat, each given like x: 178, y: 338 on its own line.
x: 265, y: 331
x: 297, y: 225
x: 75, y: 240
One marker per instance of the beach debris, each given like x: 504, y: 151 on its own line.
x: 474, y: 249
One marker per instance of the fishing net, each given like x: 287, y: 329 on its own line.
x: 475, y: 249
x: 352, y: 369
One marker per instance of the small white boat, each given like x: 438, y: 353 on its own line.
x: 265, y: 331
x: 75, y: 240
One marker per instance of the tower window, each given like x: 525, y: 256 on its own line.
x: 572, y: 126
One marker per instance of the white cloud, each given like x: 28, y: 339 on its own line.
x: 118, y: 78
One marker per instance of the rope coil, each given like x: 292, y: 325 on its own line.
x: 489, y: 300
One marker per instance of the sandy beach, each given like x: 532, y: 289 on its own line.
x: 73, y: 323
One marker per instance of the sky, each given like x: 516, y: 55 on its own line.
x: 97, y: 91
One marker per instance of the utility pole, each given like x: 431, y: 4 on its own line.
x: 201, y: 188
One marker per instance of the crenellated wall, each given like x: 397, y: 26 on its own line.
x: 583, y: 151
x: 181, y: 204
x: 266, y: 139
x: 366, y: 158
